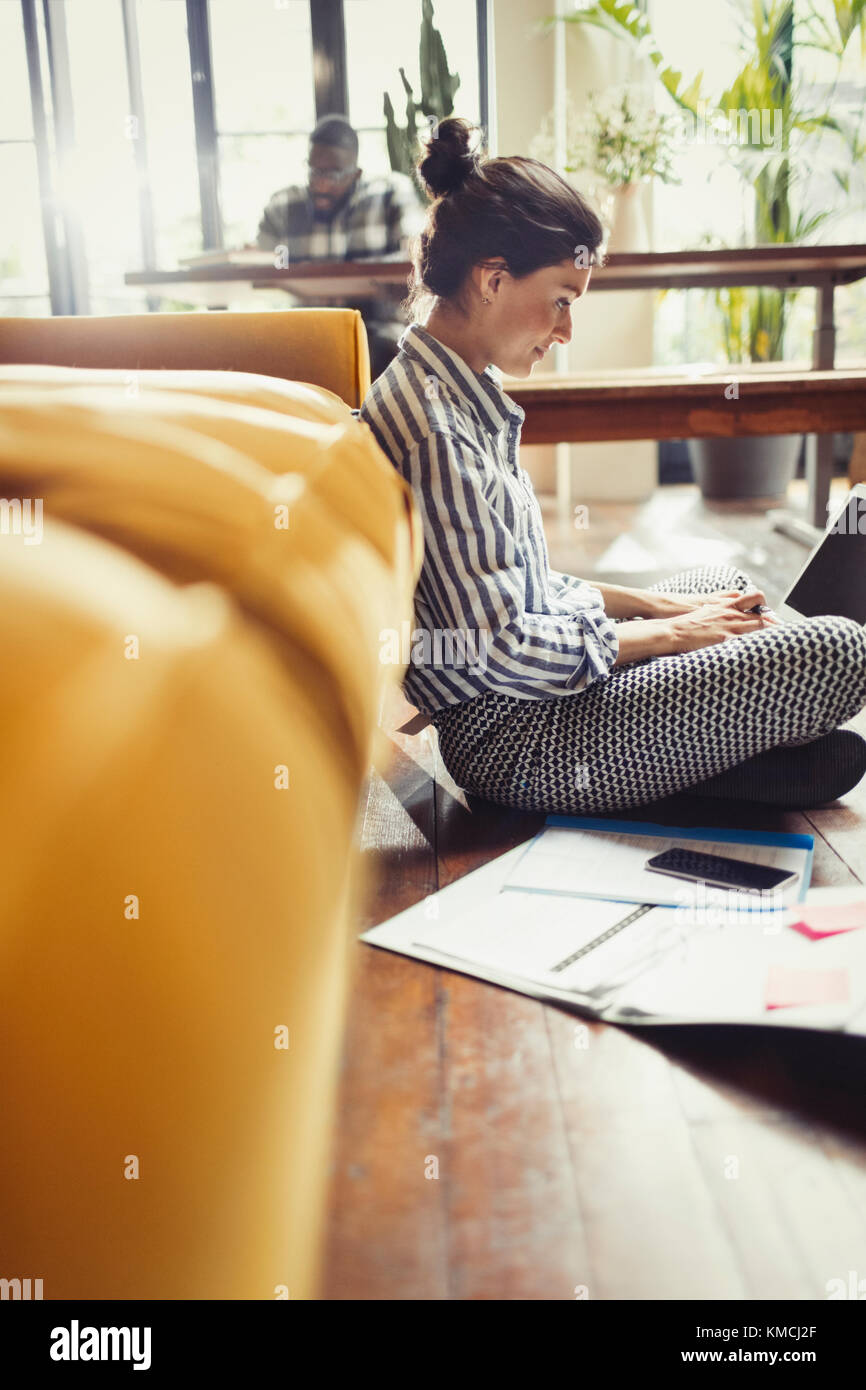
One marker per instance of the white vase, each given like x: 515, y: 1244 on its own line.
x: 629, y: 230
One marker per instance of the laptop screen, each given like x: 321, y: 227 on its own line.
x: 833, y: 579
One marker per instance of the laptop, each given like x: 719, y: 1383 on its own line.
x: 833, y: 579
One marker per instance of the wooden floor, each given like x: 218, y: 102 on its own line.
x: 709, y: 1163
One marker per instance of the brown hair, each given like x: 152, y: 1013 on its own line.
x: 515, y: 208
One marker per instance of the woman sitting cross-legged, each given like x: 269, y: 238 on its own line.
x: 550, y: 693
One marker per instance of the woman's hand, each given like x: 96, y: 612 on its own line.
x: 673, y: 605
x: 703, y: 626
x: 714, y: 622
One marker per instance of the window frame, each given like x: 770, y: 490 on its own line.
x: 53, y: 137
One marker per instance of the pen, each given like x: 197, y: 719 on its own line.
x: 759, y: 608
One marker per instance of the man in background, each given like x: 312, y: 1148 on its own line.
x: 341, y: 215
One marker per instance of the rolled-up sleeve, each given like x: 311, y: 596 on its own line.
x: 474, y: 581
x: 576, y: 591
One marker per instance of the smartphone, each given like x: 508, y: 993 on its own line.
x: 719, y: 871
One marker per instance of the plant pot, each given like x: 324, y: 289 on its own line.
x: 752, y: 466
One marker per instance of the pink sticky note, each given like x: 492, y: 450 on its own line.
x: 788, y: 985
x: 827, y: 919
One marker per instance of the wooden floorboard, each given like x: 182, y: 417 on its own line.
x: 492, y: 1147
x: 387, y: 1238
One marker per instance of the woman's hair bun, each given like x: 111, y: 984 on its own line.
x: 449, y: 157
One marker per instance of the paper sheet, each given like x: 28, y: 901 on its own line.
x: 562, y: 860
x: 550, y: 944
x: 596, y: 948
x: 788, y: 986
x: 829, y: 911
x: 739, y: 974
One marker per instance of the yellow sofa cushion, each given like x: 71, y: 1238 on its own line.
x: 300, y: 399
x: 247, y: 497
x: 169, y: 903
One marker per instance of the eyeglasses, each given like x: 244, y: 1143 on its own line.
x: 335, y: 176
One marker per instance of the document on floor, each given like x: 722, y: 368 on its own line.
x: 590, y: 857
x: 803, y: 965
x: 763, y: 971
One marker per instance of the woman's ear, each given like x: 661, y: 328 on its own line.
x: 491, y: 276
x: 495, y: 282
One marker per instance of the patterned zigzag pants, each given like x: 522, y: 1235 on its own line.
x: 660, y: 725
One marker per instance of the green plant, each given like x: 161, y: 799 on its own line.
x: 778, y: 171
x: 622, y: 140
x: 438, y: 86
x: 621, y: 19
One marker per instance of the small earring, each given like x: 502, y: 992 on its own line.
x: 484, y: 300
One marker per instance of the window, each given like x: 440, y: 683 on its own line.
x: 169, y: 130
x: 373, y: 66
x: 97, y: 185
x: 164, y: 126
x: 265, y: 105
x: 701, y: 37
x: 23, y: 266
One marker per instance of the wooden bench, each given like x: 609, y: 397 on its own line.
x: 656, y: 403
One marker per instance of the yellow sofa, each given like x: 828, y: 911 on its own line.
x: 189, y: 708
x: 324, y: 346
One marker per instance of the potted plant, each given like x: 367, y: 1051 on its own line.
x: 774, y: 171
x: 623, y: 142
x: 617, y: 144
x: 752, y: 321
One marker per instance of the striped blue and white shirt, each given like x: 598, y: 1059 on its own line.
x: 490, y: 614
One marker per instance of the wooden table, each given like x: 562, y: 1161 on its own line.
x: 675, y: 1163
x: 698, y: 403
x: 656, y: 403
x: 313, y: 281
x: 783, y: 267
x: 779, y: 267
x: 822, y: 268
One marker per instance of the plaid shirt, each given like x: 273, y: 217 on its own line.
x: 380, y: 214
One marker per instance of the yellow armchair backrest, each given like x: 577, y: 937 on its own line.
x: 327, y: 347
